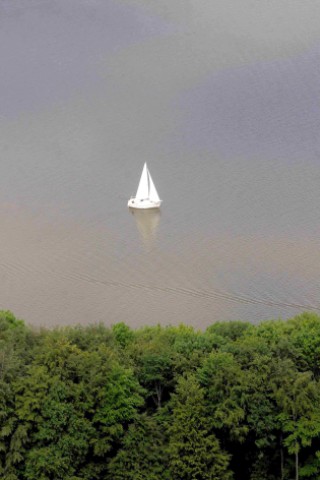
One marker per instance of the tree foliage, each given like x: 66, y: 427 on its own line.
x: 172, y: 403
x: 194, y: 450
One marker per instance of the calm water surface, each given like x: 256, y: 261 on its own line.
x: 229, y: 125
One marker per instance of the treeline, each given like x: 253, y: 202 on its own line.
x: 236, y: 401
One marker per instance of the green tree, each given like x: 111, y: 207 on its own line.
x: 223, y: 380
x: 305, y: 338
x: 152, y: 356
x: 299, y: 399
x: 194, y: 451
x: 15, y: 341
x: 122, y: 334
x: 189, y: 348
x: 142, y: 454
x: 72, y: 408
x: 230, y: 331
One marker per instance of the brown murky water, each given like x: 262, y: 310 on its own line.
x: 227, y: 116
x: 66, y: 272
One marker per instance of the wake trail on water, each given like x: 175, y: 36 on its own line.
x: 200, y: 294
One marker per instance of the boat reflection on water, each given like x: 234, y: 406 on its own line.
x: 147, y: 222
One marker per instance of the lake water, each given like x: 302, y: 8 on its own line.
x: 228, y: 120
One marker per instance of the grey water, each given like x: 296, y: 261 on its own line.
x: 221, y: 98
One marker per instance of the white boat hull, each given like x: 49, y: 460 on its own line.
x: 144, y: 203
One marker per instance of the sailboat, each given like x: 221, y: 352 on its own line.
x: 147, y: 195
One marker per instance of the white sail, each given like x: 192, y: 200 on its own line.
x: 153, y: 194
x: 143, y: 187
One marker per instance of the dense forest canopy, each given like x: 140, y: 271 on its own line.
x: 236, y: 401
